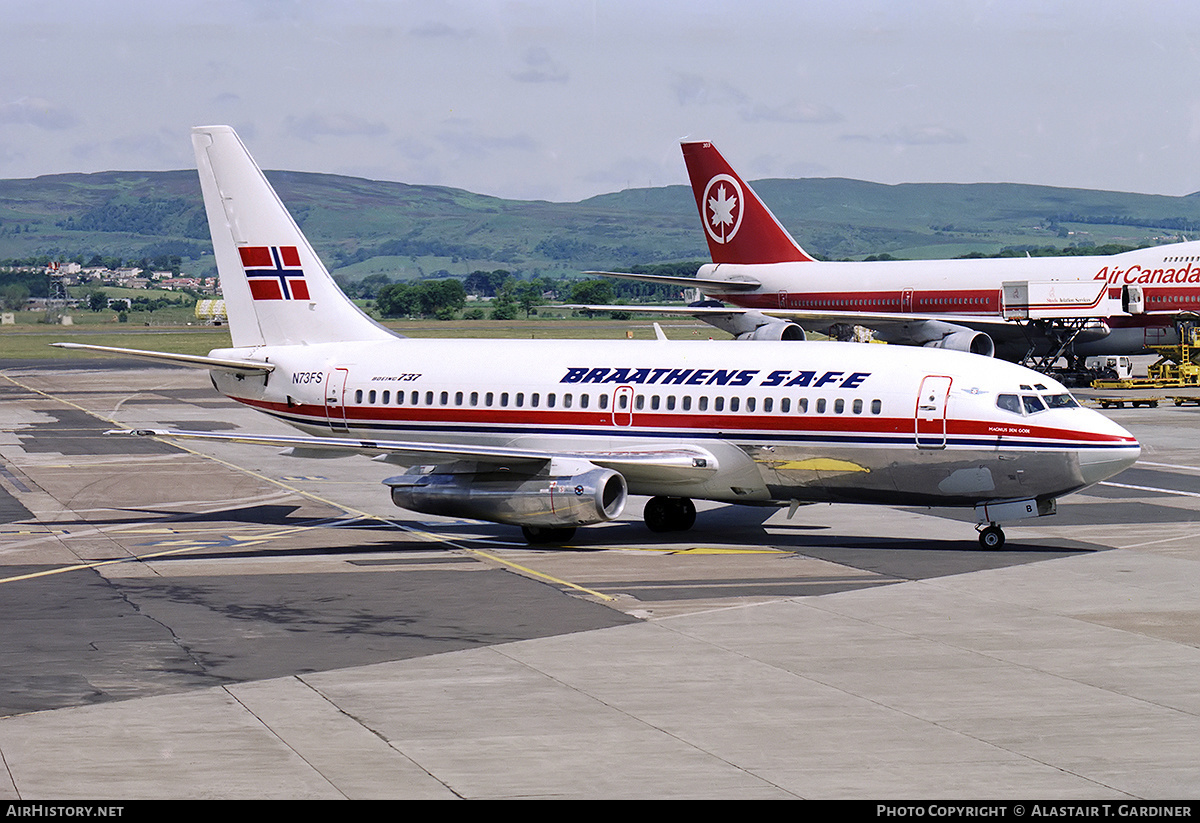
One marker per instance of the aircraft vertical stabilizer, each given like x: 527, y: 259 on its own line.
x: 277, y: 291
x: 738, y: 225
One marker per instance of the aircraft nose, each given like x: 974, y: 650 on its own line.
x: 1102, y: 463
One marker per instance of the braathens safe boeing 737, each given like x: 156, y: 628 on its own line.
x: 551, y: 435
x: 1036, y: 307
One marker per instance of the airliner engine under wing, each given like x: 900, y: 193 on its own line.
x: 550, y: 435
x: 1016, y: 308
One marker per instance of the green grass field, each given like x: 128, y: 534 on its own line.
x: 29, y: 340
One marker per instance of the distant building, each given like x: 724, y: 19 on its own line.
x: 211, y: 312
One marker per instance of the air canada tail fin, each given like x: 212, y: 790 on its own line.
x: 277, y: 292
x: 738, y: 225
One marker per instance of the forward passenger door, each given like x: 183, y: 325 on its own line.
x: 931, y: 412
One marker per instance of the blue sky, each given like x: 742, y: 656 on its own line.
x: 564, y: 99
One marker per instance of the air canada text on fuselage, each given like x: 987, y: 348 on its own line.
x: 1143, y: 275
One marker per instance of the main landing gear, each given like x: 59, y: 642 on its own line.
x: 662, y: 514
x: 991, y: 537
x: 669, y: 514
x: 544, y: 536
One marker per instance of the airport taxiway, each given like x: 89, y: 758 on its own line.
x: 223, y: 621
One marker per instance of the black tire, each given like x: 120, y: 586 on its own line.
x: 991, y: 538
x: 669, y: 514
x: 542, y: 536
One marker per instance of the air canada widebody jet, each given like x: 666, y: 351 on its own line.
x: 551, y: 435
x: 1016, y: 308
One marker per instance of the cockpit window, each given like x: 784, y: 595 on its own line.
x: 1009, y: 402
x: 1032, y: 404
x: 1060, y: 401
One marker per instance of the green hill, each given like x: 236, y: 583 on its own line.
x: 365, y: 227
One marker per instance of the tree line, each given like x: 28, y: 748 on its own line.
x: 510, y: 295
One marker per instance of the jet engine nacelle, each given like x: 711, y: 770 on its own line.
x: 775, y: 330
x: 749, y: 325
x: 580, y: 499
x: 968, y: 340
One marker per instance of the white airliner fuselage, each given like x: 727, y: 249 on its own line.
x: 825, y: 421
x: 550, y: 435
x: 971, y: 294
x: 1013, y: 307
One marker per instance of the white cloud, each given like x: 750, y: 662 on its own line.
x: 35, y: 111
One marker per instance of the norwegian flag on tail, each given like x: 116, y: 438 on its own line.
x: 274, y: 272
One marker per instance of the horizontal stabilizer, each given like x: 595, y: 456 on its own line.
x: 194, y: 361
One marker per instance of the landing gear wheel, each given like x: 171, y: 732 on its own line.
x: 669, y: 514
x: 541, y: 535
x: 992, y: 537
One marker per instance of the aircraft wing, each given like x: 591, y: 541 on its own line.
x: 803, y: 314
x: 671, y: 464
x: 813, y: 317
x: 741, y: 284
x: 190, y: 360
x: 810, y: 319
